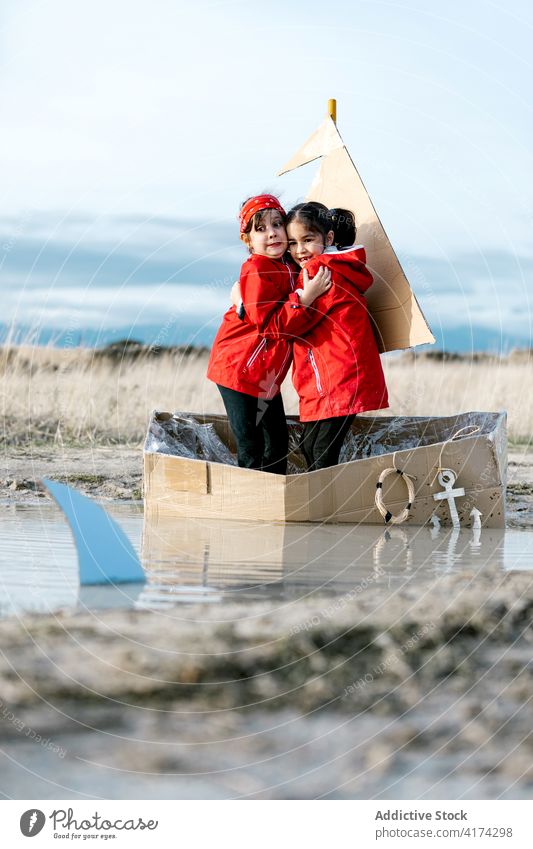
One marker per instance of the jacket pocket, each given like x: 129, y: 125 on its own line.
x: 254, y: 356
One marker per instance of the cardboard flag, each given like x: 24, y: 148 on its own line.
x: 397, y: 317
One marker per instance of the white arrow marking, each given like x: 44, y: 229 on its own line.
x: 476, y: 517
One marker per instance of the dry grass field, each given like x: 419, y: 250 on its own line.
x: 67, y: 396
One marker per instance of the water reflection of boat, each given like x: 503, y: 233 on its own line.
x: 212, y: 561
x: 189, y: 471
x: 232, y: 556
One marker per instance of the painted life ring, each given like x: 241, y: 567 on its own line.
x: 387, y: 515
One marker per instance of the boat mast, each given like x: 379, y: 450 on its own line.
x: 332, y: 109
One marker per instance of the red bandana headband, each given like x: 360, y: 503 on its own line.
x: 256, y: 204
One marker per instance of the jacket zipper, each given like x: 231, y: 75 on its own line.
x: 256, y: 353
x: 292, y: 275
x: 311, y: 358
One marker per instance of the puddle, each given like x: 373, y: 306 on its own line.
x: 39, y: 565
x: 212, y: 561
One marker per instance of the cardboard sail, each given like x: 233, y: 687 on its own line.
x: 398, y: 319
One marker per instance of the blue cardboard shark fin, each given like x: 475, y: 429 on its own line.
x: 105, y: 554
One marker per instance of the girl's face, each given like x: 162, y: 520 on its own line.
x: 269, y: 238
x: 305, y: 243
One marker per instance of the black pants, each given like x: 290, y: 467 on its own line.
x: 321, y: 441
x: 260, y: 430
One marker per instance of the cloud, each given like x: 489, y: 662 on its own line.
x: 107, y: 271
x: 101, y: 307
x: 51, y: 251
x: 117, y: 106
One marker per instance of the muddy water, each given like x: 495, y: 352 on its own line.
x: 216, y: 562
x: 38, y: 562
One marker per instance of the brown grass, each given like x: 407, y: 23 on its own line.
x: 73, y: 395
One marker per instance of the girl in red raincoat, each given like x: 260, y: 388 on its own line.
x: 337, y: 369
x: 252, y: 353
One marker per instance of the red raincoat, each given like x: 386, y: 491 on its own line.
x: 336, y: 366
x: 253, y: 355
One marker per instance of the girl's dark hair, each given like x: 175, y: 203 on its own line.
x: 343, y: 225
x: 319, y: 219
x: 314, y: 215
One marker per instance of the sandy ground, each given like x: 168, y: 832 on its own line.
x: 417, y: 695
x: 103, y: 472
x: 412, y: 698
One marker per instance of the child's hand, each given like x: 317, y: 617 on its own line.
x: 315, y: 286
x: 235, y: 294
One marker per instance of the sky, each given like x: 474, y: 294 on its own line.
x: 131, y: 131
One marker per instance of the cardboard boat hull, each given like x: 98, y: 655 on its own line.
x: 181, y: 487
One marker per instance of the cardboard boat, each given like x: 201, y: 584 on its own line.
x: 189, y: 472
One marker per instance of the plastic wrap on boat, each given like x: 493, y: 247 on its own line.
x: 183, y: 436
x: 296, y: 462
x: 384, y: 435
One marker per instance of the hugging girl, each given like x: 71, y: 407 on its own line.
x: 317, y: 318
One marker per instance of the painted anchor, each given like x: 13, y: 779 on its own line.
x: 447, y: 478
